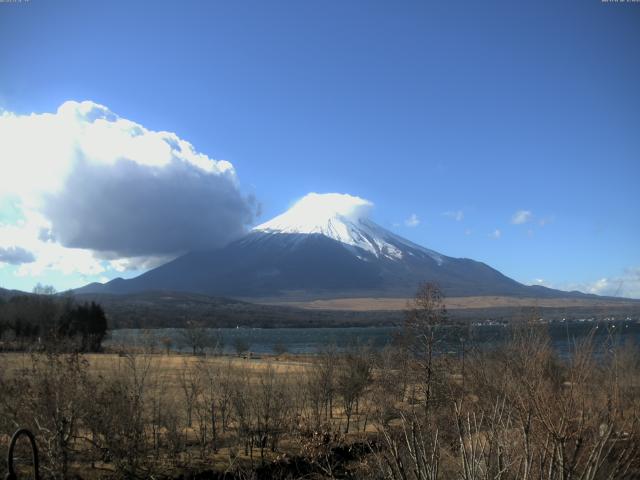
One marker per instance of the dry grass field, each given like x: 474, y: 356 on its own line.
x: 517, y: 409
x: 395, y: 304
x: 187, y: 387
x: 169, y: 367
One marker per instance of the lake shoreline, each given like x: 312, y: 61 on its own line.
x: 291, y: 340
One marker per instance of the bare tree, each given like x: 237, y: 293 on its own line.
x: 225, y: 375
x: 241, y: 393
x: 241, y: 346
x: 271, y: 405
x: 167, y: 342
x: 40, y: 289
x: 117, y: 416
x: 425, y: 313
x: 196, y: 337
x: 212, y: 405
x: 389, y: 384
x: 353, y: 377
x: 189, y: 381
x: 54, y: 406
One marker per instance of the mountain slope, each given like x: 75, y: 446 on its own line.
x: 323, y: 247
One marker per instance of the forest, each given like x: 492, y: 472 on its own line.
x: 45, y: 321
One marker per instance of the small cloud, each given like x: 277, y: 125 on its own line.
x: 16, y: 255
x: 468, y: 231
x: 496, y: 234
x: 626, y: 284
x: 602, y: 286
x: 141, y: 263
x: 457, y: 215
x: 521, y: 216
x: 412, y: 221
x: 545, y: 221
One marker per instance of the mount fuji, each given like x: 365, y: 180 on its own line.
x: 325, y: 246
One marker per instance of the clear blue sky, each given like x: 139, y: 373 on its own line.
x: 422, y: 107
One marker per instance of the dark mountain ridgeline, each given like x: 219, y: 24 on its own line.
x: 315, y: 266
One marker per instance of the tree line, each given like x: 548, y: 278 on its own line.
x: 44, y: 320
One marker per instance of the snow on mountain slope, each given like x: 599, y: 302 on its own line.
x: 344, y: 218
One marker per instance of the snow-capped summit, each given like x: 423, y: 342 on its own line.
x: 327, y: 214
x: 344, y: 218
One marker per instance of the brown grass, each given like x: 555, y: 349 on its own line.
x: 374, y: 304
x: 487, y: 403
x: 172, y: 365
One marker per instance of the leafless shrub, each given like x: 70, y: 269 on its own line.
x: 189, y: 380
x: 243, y: 413
x: 271, y: 405
x: 321, y: 387
x: 353, y: 377
x: 319, y: 449
x: 406, y: 451
x: 49, y: 393
x: 118, y: 419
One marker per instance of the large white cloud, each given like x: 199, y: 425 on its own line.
x: 88, y: 181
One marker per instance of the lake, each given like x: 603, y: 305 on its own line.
x: 310, y: 340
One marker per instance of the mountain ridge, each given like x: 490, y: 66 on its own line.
x: 314, y: 266
x: 323, y: 247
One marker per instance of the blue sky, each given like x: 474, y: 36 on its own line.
x: 484, y: 108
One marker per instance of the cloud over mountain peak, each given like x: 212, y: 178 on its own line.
x: 315, y: 210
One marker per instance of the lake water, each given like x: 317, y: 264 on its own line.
x: 310, y: 340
